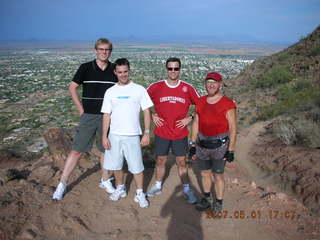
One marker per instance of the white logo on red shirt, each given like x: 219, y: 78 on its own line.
x: 172, y: 99
x: 184, y: 89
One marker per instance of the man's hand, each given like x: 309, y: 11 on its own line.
x: 183, y: 122
x: 106, y: 143
x: 145, y: 140
x: 81, y: 111
x: 229, y: 156
x: 158, y: 121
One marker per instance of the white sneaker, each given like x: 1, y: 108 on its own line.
x: 189, y: 195
x: 118, y: 194
x: 58, y: 193
x: 107, y: 185
x: 141, y: 199
x: 154, y: 190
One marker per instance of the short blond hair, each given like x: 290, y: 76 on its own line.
x: 103, y: 41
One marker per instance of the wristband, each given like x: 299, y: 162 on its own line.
x: 147, y: 131
x: 192, y: 143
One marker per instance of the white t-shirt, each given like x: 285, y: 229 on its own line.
x: 124, y: 104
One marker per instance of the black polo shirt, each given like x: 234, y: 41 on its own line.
x: 95, y: 83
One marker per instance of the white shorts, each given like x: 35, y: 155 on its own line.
x: 127, y: 147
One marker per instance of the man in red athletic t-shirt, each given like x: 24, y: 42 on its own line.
x: 171, y: 99
x: 213, y: 140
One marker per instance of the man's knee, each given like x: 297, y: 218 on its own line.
x: 219, y: 178
x: 75, y: 154
x: 181, y: 162
x: 161, y: 161
x: 206, y: 173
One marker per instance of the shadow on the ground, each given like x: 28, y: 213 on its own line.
x: 185, y: 221
x: 83, y: 176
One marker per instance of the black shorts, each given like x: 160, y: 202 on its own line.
x: 217, y: 166
x: 178, y: 147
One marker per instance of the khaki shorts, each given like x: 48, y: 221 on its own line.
x: 89, y: 130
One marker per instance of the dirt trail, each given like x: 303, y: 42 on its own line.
x: 250, y: 210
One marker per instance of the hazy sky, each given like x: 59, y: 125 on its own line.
x: 269, y: 20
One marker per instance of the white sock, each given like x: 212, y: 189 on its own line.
x: 138, y: 191
x: 186, y: 187
x: 120, y: 187
x: 158, y: 184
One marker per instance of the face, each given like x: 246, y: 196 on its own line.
x: 122, y: 72
x: 103, y: 52
x: 173, y: 71
x: 212, y: 87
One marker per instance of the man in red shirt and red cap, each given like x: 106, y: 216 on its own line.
x: 214, y: 132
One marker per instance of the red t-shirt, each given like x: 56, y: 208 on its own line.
x: 213, y: 117
x: 171, y: 104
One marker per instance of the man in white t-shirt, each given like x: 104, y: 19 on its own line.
x: 121, y: 107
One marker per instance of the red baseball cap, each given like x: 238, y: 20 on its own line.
x: 214, y: 76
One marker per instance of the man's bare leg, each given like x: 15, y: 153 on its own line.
x: 182, y: 169
x: 219, y: 185
x: 161, y: 167
x: 71, y: 163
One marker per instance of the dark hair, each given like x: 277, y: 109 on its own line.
x: 122, y: 62
x: 173, y: 59
x: 103, y: 41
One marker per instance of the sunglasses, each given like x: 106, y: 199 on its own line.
x: 173, y: 69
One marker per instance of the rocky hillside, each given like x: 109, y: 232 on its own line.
x: 284, y: 83
x: 285, y: 90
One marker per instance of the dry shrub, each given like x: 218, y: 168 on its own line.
x: 298, y: 130
x: 308, y: 131
x: 285, y: 130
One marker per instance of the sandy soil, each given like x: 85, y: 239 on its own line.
x: 253, y: 209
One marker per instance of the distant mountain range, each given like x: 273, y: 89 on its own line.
x: 178, y: 39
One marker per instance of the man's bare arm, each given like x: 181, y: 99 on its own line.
x: 105, y: 127
x: 147, y: 120
x: 232, y: 121
x: 75, y: 98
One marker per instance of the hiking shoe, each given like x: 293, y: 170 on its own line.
x: 141, y: 199
x: 217, y: 206
x: 118, y: 194
x: 154, y: 191
x: 205, y: 203
x: 58, y: 193
x: 191, y: 198
x: 107, y: 185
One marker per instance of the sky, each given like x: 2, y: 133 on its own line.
x: 278, y: 21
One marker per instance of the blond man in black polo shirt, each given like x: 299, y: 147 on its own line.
x: 95, y: 77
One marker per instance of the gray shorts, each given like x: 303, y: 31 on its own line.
x: 178, y: 147
x: 89, y: 129
x: 212, y: 158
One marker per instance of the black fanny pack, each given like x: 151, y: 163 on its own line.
x: 213, y: 143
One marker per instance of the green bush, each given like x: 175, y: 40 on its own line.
x: 315, y: 50
x: 288, y: 90
x: 292, y: 102
x: 275, y: 76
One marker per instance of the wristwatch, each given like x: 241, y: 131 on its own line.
x: 192, y: 143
